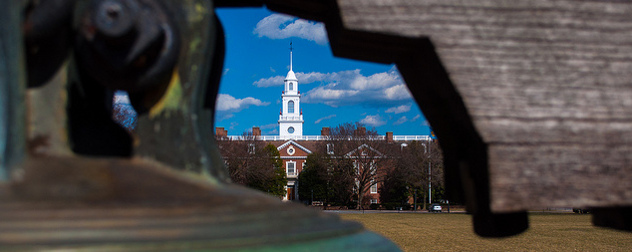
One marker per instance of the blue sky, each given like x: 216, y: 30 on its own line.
x: 334, y: 90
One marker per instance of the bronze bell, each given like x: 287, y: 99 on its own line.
x: 72, y: 179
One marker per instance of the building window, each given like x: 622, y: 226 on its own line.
x: 290, y: 107
x: 290, y: 130
x: 373, y: 168
x: 251, y: 148
x: 291, y: 86
x: 291, y: 168
x: 373, y: 201
x: 330, y: 148
x: 374, y: 188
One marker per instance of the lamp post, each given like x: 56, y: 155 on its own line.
x: 426, y: 151
x: 429, y: 182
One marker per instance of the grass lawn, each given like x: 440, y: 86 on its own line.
x: 454, y: 232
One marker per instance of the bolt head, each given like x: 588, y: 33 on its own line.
x: 115, y: 18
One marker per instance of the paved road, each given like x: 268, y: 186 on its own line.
x: 385, y: 211
x: 550, y: 210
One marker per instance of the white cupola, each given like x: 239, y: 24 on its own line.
x: 291, y: 116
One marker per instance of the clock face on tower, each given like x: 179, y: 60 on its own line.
x: 290, y: 130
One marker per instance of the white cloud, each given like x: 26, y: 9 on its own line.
x: 398, y: 110
x: 331, y: 97
x: 324, y: 118
x: 233, y: 125
x: 224, y: 116
x: 269, y: 126
x: 226, y: 102
x: 281, y: 26
x: 349, y: 87
x: 272, y: 70
x: 373, y: 120
x: 271, y: 81
x: 415, y: 118
x: 401, y: 120
x: 226, y: 105
x: 352, y: 87
x: 225, y: 71
x: 398, y: 92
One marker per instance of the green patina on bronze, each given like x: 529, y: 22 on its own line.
x: 170, y: 193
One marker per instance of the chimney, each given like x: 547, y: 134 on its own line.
x: 256, y: 131
x: 389, y: 137
x: 324, y: 131
x: 220, y: 132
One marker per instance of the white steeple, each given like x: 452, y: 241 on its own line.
x: 291, y: 116
x: 290, y: 74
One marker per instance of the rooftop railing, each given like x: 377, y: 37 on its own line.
x: 322, y: 138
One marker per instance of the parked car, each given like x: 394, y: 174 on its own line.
x: 434, y: 208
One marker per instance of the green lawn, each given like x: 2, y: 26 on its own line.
x: 453, y: 232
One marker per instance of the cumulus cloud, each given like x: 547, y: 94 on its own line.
x: 271, y: 81
x: 281, y: 26
x: 226, y: 105
x: 349, y: 87
x: 373, y: 120
x: 269, y: 126
x: 324, y: 118
x: 401, y: 120
x: 226, y: 102
x: 399, y: 109
x: 352, y: 87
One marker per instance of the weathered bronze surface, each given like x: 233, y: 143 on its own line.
x: 74, y: 180
x: 106, y: 204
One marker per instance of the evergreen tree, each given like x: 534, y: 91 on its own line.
x: 314, y: 179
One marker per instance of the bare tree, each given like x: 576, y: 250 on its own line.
x: 254, y: 164
x: 364, y: 150
x: 418, y: 165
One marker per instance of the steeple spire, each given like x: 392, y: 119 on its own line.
x: 291, y: 117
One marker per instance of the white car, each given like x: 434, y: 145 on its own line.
x: 435, y: 208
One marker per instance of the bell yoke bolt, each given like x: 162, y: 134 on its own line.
x: 127, y: 44
x: 114, y: 18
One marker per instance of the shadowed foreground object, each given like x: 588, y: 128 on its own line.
x: 121, y: 204
x: 530, y: 99
x: 73, y: 180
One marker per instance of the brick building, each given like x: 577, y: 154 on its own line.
x: 294, y: 147
x: 294, y: 151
